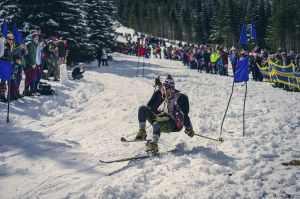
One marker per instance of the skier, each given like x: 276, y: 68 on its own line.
x: 170, y: 120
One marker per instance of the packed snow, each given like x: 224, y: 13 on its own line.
x: 52, y: 146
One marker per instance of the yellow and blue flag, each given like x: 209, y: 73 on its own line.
x: 281, y: 74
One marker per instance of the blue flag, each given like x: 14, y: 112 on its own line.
x: 17, y: 35
x: 4, y: 28
x: 243, y: 37
x: 242, y: 73
x: 5, y: 70
x: 252, y: 31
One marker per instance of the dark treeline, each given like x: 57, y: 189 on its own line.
x: 86, y: 24
x: 215, y: 21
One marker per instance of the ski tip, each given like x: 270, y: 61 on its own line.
x: 123, y: 139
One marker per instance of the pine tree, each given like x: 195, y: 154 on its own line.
x: 185, y: 21
x: 100, y: 24
x: 10, y: 10
x: 217, y: 33
x: 85, y: 24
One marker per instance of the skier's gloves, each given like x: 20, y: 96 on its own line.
x: 157, y: 81
x: 189, y: 131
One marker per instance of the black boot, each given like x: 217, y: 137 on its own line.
x: 27, y: 93
x: 3, y: 99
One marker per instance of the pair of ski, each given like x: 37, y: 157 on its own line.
x: 136, y: 157
x: 149, y: 155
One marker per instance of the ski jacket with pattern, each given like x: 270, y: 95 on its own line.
x: 178, y: 107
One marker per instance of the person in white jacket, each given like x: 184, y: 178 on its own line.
x: 104, y: 57
x: 2, y: 42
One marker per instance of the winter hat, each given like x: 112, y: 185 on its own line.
x: 10, y: 36
x: 169, y: 82
x: 54, y: 38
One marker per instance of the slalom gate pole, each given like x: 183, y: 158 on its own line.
x: 143, y: 66
x: 137, y: 70
x: 218, y: 140
x: 244, y: 110
x: 226, y: 109
x: 8, y: 98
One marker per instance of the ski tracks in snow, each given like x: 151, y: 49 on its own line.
x: 56, y: 148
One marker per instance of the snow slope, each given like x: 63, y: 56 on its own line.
x: 52, y: 147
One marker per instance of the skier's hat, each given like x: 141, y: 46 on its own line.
x: 169, y: 82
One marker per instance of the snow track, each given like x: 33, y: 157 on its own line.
x: 52, y: 147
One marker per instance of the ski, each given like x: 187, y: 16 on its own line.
x: 126, y: 140
x: 139, y: 157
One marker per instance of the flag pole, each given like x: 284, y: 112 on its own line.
x: 8, y: 98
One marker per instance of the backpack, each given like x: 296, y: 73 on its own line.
x: 45, y: 89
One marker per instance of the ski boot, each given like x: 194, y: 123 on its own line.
x: 141, y: 135
x: 152, y: 148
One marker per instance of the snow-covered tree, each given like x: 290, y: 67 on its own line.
x: 86, y: 24
x: 103, y: 32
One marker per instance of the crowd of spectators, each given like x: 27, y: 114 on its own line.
x: 214, y: 59
x: 35, y: 55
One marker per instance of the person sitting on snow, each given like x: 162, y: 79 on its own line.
x: 170, y: 120
x: 77, y: 73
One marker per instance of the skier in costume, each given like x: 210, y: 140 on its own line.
x: 171, y: 119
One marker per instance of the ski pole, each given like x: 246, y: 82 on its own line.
x: 218, y: 140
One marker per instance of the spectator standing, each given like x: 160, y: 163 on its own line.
x: 104, y: 57
x: 7, y: 55
x: 52, y: 59
x: 30, y: 68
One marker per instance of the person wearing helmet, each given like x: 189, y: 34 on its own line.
x: 172, y: 118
